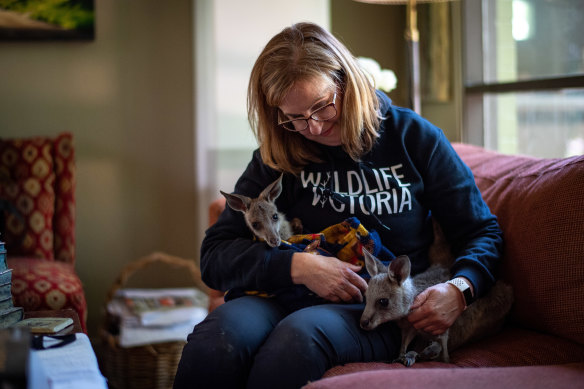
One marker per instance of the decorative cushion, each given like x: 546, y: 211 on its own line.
x: 539, y: 204
x: 64, y: 218
x: 38, y: 284
x: 26, y: 182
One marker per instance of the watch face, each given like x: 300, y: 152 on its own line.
x: 463, y: 284
x: 464, y: 287
x: 460, y: 284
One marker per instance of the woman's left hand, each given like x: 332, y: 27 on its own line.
x: 436, y: 308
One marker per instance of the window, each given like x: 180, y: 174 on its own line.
x: 524, y: 76
x: 229, y: 35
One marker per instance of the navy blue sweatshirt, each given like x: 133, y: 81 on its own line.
x: 411, y: 172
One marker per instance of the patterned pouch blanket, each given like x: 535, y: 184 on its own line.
x: 344, y: 240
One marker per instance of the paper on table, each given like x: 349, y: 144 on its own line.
x: 72, y: 366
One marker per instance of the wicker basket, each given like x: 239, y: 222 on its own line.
x: 150, y: 366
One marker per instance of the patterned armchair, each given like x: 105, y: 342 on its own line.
x: 37, y: 223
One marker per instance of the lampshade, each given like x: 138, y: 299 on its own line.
x: 400, y: 1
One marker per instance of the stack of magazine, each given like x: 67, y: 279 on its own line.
x: 9, y: 314
x: 146, y: 316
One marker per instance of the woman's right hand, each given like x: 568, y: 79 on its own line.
x: 328, y: 277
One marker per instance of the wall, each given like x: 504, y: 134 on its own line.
x: 127, y: 97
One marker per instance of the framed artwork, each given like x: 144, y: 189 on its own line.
x: 46, y: 20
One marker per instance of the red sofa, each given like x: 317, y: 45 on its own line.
x: 540, y: 207
x: 37, y: 190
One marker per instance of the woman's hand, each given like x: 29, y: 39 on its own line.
x: 328, y: 277
x: 436, y: 308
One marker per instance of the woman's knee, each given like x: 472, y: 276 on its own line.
x: 325, y: 331
x: 234, y: 330
x: 211, y: 356
x: 308, y: 342
x: 302, y: 347
x: 222, y: 346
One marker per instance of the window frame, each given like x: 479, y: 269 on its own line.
x: 476, y: 68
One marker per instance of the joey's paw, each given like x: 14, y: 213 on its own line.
x: 408, y: 359
x: 431, y: 352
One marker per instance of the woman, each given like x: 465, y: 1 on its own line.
x: 345, y: 151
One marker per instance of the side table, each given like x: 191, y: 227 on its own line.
x: 73, y: 365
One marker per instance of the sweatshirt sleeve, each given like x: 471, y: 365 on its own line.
x: 468, y: 224
x: 229, y: 255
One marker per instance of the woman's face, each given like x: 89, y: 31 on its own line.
x: 306, y: 97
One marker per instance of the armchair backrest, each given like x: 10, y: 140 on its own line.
x: 37, y: 180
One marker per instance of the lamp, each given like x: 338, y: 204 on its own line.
x: 412, y: 36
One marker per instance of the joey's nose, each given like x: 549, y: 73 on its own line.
x: 274, y: 242
x: 365, y: 324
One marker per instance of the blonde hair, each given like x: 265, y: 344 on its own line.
x: 301, y: 52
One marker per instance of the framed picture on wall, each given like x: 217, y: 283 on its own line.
x: 46, y: 20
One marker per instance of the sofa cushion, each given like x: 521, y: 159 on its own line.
x: 539, y: 204
x: 532, y: 377
x: 511, y: 347
x: 39, y: 285
x: 27, y: 184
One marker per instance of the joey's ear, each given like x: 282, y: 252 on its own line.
x: 237, y: 202
x: 273, y: 190
x: 399, y: 269
x: 373, y: 265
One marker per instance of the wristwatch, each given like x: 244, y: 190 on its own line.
x: 464, y: 287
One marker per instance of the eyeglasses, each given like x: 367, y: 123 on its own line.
x: 322, y: 114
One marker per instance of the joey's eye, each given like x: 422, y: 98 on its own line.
x: 256, y: 225
x: 275, y: 217
x: 383, y: 302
